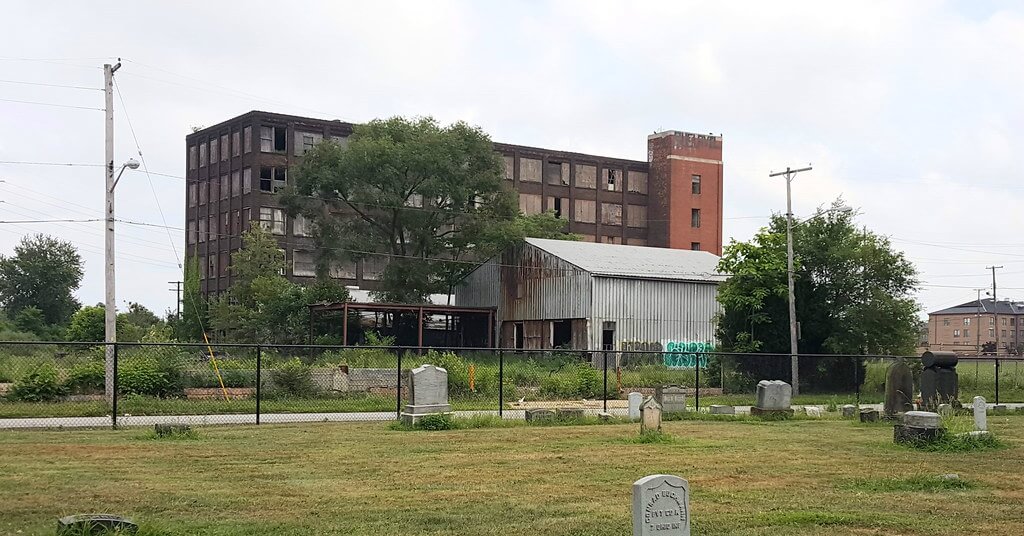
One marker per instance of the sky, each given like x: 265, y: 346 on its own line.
x: 904, y: 109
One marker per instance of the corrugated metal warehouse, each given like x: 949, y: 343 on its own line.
x: 592, y: 296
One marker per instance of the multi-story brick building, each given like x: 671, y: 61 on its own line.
x: 235, y: 170
x: 970, y: 327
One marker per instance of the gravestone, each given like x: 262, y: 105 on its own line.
x: 868, y: 415
x: 980, y: 413
x: 917, y: 427
x: 428, y: 393
x: 849, y: 411
x: 939, y: 381
x: 539, y: 414
x: 671, y: 397
x: 661, y: 506
x: 899, y: 389
x: 774, y: 397
x: 569, y: 413
x: 95, y: 524
x: 721, y: 409
x: 650, y: 416
x: 812, y: 411
x: 635, y: 399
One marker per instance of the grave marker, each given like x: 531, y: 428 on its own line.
x: 661, y: 506
x: 980, y: 414
x: 428, y: 393
x: 635, y: 399
x: 671, y: 397
x: 650, y: 416
x: 774, y: 397
x: 899, y: 389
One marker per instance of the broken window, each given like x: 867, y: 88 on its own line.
x: 611, y: 214
x: 272, y: 139
x: 211, y: 266
x: 246, y: 219
x: 343, y: 270
x: 202, y: 154
x: 192, y: 161
x: 510, y: 167
x: 695, y: 217
x: 560, y: 206
x: 224, y: 148
x: 305, y: 141
x: 586, y: 176
x: 300, y: 226
x: 695, y: 184
x: 236, y: 223
x: 272, y: 219
x: 246, y: 180
x: 225, y: 223
x: 636, y: 216
x: 613, y: 179
x: 225, y: 187
x: 556, y: 173
x: 192, y: 194
x: 585, y: 211
x: 236, y: 147
x: 236, y: 183
x: 637, y: 182
x: 273, y: 179
x: 530, y: 204
x: 303, y: 264
x: 529, y: 170
x: 247, y: 134
x: 213, y: 151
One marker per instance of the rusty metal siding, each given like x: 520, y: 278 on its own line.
x: 646, y: 310
x: 536, y: 285
x: 481, y: 288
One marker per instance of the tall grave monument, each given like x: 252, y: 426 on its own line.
x: 428, y: 393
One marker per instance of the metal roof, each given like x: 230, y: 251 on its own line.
x: 616, y: 260
x: 971, y: 307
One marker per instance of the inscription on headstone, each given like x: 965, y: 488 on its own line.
x: 661, y: 506
x: 428, y: 393
x: 980, y: 415
x: 650, y: 416
x: 671, y: 397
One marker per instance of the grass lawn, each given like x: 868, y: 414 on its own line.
x: 796, y: 477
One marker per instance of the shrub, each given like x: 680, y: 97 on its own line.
x: 86, y: 378
x: 41, y: 385
x: 578, y: 380
x: 292, y: 378
x: 435, y: 422
x: 150, y: 376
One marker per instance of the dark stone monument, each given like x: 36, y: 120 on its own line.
x: 918, y: 427
x: 569, y: 414
x: 899, y: 389
x: 939, y: 381
x: 539, y: 414
x: 95, y: 524
x: 869, y: 415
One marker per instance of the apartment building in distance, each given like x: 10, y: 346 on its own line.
x: 974, y: 326
x: 236, y: 169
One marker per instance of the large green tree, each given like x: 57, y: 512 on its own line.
x: 262, y: 305
x: 853, y: 296
x: 429, y: 200
x: 43, y: 273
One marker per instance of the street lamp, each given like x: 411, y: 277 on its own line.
x: 110, y: 303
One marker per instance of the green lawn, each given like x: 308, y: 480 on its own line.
x: 798, y: 477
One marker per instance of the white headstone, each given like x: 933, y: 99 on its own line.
x: 721, y: 409
x: 922, y: 419
x: 661, y: 506
x: 812, y: 411
x: 774, y: 395
x: 428, y: 393
x: 650, y: 416
x: 635, y: 399
x: 980, y: 415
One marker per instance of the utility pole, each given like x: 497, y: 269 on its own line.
x: 110, y: 307
x: 177, y: 293
x: 794, y: 361
x: 995, y: 304
x: 977, y: 321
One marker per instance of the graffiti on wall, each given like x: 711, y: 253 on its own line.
x: 677, y: 354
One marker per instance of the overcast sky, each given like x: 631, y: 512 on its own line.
x: 906, y: 109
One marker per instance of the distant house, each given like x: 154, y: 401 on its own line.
x: 973, y: 327
x: 591, y: 296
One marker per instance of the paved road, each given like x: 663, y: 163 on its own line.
x: 278, y: 418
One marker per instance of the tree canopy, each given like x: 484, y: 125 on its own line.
x: 427, y: 199
x: 853, y: 292
x: 43, y: 273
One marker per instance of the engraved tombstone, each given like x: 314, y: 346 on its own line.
x: 661, y: 506
x: 773, y: 397
x: 635, y: 399
x: 899, y: 389
x: 671, y: 397
x: 980, y: 417
x: 428, y: 393
x: 939, y: 381
x: 650, y: 416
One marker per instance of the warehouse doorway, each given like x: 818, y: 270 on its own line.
x: 561, y: 334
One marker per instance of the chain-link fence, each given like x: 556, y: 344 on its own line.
x: 63, y: 384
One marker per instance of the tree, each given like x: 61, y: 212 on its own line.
x: 262, y: 305
x: 87, y: 325
x: 427, y: 198
x: 43, y: 273
x: 853, y: 296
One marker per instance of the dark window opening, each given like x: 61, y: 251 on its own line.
x: 558, y: 207
x: 608, y: 336
x: 561, y: 334
x: 273, y: 180
x: 695, y: 217
x: 695, y: 183
x: 611, y: 180
x: 695, y: 246
x: 517, y: 335
x: 279, y: 139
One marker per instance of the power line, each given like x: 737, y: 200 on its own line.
x: 52, y: 104
x: 48, y: 85
x: 25, y: 163
x: 53, y: 221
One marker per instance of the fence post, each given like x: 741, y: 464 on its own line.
x: 856, y: 377
x: 696, y: 380
x: 113, y: 409
x: 259, y: 380
x: 997, y: 377
x: 398, y: 390
x: 501, y: 383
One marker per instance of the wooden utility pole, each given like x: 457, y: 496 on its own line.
x: 995, y: 304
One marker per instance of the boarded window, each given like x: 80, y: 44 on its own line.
x: 192, y: 194
x: 300, y: 226
x: 236, y: 146
x: 510, y: 167
x: 556, y: 173
x: 202, y: 193
x: 636, y: 216
x: 585, y: 211
x: 236, y: 183
x: 193, y: 161
x: 272, y: 139
x: 246, y: 180
x: 303, y: 264
x: 202, y: 154
x: 213, y: 151
x: 373, y: 267
x: 637, y: 182
x: 224, y: 152
x: 247, y: 134
x: 190, y: 237
x: 225, y: 187
x: 529, y: 170
x: 305, y: 141
x: 611, y: 214
x: 530, y: 204
x: 586, y: 176
x: 343, y: 270
x: 611, y: 239
x: 636, y: 241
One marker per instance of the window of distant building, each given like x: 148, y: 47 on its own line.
x: 272, y: 139
x: 695, y: 246
x: 695, y: 184
x: 956, y: 332
x: 272, y: 219
x: 695, y: 218
x: 967, y: 321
